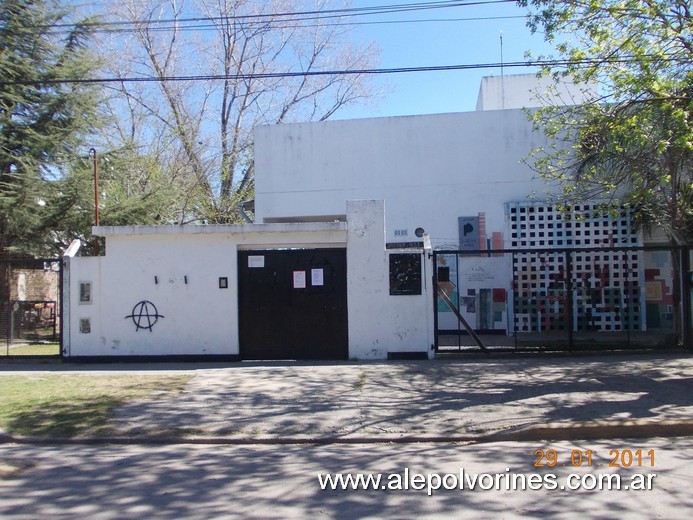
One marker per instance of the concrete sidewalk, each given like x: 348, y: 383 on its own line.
x: 641, y: 395
x: 478, y: 400
x: 535, y: 400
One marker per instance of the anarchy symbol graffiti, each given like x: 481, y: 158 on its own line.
x: 144, y: 315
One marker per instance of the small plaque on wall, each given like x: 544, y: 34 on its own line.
x: 84, y: 293
x: 405, y: 274
x: 85, y: 325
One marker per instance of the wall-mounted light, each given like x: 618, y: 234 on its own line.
x: 421, y: 232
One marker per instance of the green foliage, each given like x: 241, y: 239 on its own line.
x: 42, y: 124
x: 132, y: 191
x: 633, y: 145
x: 46, y: 129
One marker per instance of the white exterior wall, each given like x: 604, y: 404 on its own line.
x: 380, y: 323
x: 76, y: 270
x: 527, y: 91
x: 199, y: 318
x: 429, y: 170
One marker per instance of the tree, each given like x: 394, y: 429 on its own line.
x: 49, y: 118
x: 633, y: 145
x: 42, y: 124
x: 201, y: 130
x: 132, y: 191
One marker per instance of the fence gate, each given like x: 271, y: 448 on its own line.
x: 30, y: 307
x: 293, y: 304
x: 606, y: 298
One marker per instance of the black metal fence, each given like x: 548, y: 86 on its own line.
x: 30, y: 304
x: 563, y: 299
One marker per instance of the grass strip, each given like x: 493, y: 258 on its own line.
x: 74, y: 405
x: 37, y: 349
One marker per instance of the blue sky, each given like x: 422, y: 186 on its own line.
x: 443, y: 43
x: 448, y: 36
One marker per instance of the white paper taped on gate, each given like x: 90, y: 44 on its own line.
x: 256, y: 261
x: 299, y: 279
x: 316, y: 277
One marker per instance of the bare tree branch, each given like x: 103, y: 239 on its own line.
x: 209, y: 125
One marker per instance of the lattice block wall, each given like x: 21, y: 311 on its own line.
x: 606, y: 285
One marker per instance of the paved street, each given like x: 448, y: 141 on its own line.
x: 187, y: 481
x: 608, y: 399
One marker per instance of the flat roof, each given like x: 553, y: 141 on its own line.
x: 229, y: 229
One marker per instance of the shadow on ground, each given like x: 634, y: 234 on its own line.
x: 427, y: 398
x: 281, y: 482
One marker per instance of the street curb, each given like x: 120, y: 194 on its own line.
x: 549, y: 432
x: 593, y: 431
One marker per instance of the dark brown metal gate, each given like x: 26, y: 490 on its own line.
x: 293, y: 304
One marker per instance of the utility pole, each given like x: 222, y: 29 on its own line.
x: 96, y: 199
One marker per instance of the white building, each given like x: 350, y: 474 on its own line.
x: 430, y: 170
x: 179, y: 291
x: 333, y: 266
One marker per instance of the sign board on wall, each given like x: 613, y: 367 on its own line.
x: 481, y: 288
x: 469, y: 232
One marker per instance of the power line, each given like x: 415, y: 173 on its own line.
x: 211, y: 26
x: 291, y: 16
x: 346, y: 72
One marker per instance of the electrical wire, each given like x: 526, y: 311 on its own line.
x: 346, y: 72
x: 292, y: 16
x: 212, y: 27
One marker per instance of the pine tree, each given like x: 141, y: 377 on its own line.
x: 43, y: 121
